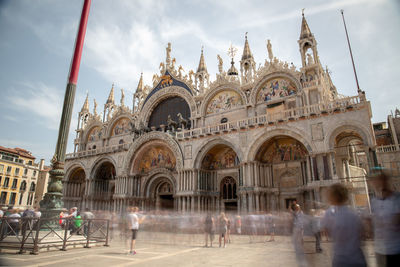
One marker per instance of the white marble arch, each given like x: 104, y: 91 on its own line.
x: 114, y: 120
x: 267, y: 134
x: 225, y: 87
x: 72, y: 168
x: 98, y: 163
x: 276, y: 74
x: 209, y: 144
x: 366, y: 134
x: 161, y: 95
x: 143, y: 140
x: 154, y: 177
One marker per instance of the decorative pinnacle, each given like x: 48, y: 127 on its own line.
x: 302, y: 12
x: 232, y: 51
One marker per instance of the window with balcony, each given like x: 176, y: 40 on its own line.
x: 1, y: 168
x: 25, y: 172
x: 3, y: 198
x: 34, y: 174
x: 6, y: 182
x: 8, y: 169
x: 14, y: 184
x: 12, y: 198
x: 30, y: 162
x: 16, y: 172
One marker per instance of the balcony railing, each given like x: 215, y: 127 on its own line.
x: 338, y: 105
x: 388, y: 148
x: 97, y: 151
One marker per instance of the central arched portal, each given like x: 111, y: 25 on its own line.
x: 163, y: 193
x: 219, y: 173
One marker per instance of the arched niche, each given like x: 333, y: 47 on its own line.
x: 94, y: 134
x: 151, y: 156
x: 263, y: 87
x: 220, y: 156
x: 281, y: 149
x: 120, y: 127
x: 275, y: 88
x: 171, y: 106
x: 223, y: 101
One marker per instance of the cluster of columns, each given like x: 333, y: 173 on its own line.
x: 257, y: 201
x: 190, y: 180
x: 73, y: 189
x: 129, y: 186
x: 257, y: 174
x: 197, y: 203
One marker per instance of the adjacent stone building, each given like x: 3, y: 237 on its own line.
x: 20, y: 177
x: 254, y: 139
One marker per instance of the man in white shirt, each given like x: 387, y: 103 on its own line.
x: 133, y: 225
x: 385, y: 208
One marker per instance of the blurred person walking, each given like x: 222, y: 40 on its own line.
x: 209, y: 229
x: 297, y: 235
x: 316, y: 229
x: 86, y: 215
x: 385, y: 208
x: 345, y: 229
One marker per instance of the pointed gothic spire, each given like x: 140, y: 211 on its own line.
x: 202, y: 64
x: 111, y: 96
x: 246, y: 50
x: 85, y: 107
x: 139, y: 88
x: 305, y: 30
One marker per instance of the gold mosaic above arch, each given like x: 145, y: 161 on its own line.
x: 94, y: 134
x: 120, y: 127
x: 154, y: 156
x: 224, y: 100
x: 276, y: 88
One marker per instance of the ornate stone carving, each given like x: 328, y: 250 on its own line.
x: 317, y: 132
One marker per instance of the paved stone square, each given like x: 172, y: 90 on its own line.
x: 183, y: 250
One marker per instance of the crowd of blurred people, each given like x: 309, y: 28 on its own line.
x: 343, y: 226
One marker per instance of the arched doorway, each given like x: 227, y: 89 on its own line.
x: 74, y: 188
x: 220, y: 161
x: 103, y: 186
x: 228, y: 191
x: 284, y: 166
x: 352, y: 160
x: 164, y: 195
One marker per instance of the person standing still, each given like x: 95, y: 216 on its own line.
x: 133, y: 225
x: 385, y: 207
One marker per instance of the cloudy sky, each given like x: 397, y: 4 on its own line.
x: 126, y: 37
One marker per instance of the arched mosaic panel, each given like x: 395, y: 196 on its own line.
x: 155, y: 156
x: 220, y: 157
x: 276, y: 88
x: 94, y: 134
x: 120, y: 127
x: 224, y: 100
x: 282, y: 150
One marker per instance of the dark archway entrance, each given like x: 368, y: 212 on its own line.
x: 103, y: 186
x: 229, y: 194
x: 164, y: 196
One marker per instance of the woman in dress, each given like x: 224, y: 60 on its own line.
x: 222, y: 226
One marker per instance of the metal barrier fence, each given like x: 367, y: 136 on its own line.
x: 33, y: 234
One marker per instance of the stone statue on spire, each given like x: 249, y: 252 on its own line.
x: 94, y: 107
x: 220, y: 64
x: 122, y: 97
x: 269, y: 48
x: 168, y: 59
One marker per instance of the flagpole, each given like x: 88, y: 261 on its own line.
x: 52, y: 202
x: 351, y: 54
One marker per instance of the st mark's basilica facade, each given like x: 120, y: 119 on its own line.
x: 253, y: 140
